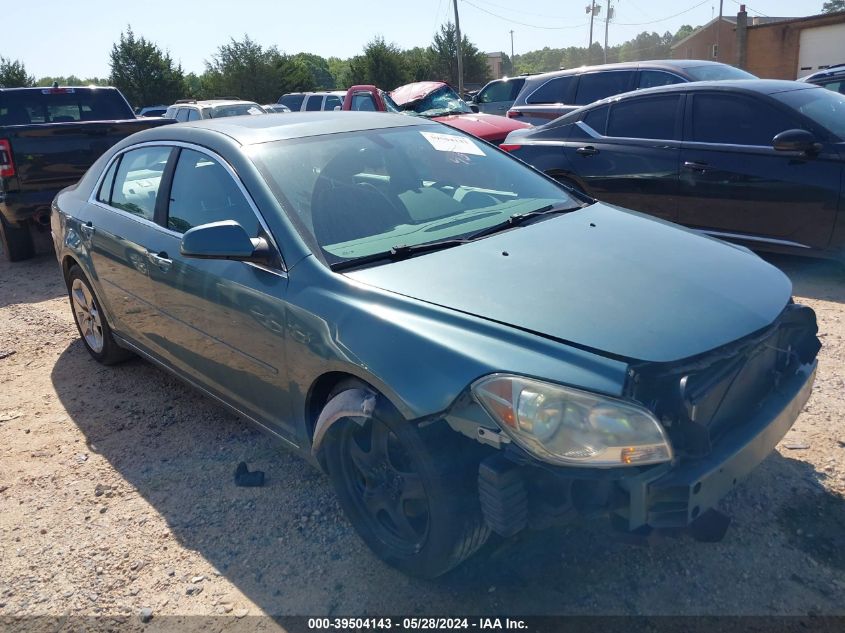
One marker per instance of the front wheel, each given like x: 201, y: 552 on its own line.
x: 91, y: 321
x: 410, y: 493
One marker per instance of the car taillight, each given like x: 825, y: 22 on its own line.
x: 513, y: 114
x: 7, y: 165
x: 509, y: 147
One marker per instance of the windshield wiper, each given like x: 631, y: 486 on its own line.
x: 520, y: 218
x: 400, y: 251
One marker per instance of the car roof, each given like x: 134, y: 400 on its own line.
x: 249, y: 130
x: 762, y: 86
x: 667, y: 64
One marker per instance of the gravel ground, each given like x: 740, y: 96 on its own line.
x: 116, y: 495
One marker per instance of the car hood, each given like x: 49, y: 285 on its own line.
x: 607, y: 279
x: 486, y: 126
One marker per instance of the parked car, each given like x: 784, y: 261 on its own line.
x: 272, y: 108
x: 462, y: 343
x: 49, y: 137
x: 434, y: 100
x: 832, y: 78
x: 158, y: 110
x: 759, y: 162
x: 193, y: 110
x: 546, y: 97
x: 498, y: 95
x: 313, y: 101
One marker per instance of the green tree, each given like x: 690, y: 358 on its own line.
x: 444, y: 56
x: 143, y: 73
x: 418, y: 64
x: 73, y: 80
x: 832, y: 6
x: 381, y: 64
x: 318, y: 68
x: 339, y: 68
x: 13, y: 74
x: 246, y: 70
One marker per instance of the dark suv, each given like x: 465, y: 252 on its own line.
x: 550, y: 95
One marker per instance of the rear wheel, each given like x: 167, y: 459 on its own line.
x: 410, y: 493
x: 91, y: 321
x: 17, y: 241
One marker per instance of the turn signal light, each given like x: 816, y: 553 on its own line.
x: 7, y: 166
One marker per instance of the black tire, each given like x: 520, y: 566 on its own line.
x: 442, y: 508
x: 109, y: 351
x: 17, y: 241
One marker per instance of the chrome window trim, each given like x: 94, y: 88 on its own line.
x: 92, y: 198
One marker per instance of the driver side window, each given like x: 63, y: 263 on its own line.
x: 203, y: 192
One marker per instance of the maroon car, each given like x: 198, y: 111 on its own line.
x: 434, y: 100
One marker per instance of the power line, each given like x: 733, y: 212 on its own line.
x: 531, y: 26
x: 669, y: 17
x: 739, y: 4
x: 520, y: 11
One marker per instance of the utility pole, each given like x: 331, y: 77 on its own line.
x: 460, y: 60
x: 607, y: 18
x: 511, y: 48
x: 592, y: 11
x: 718, y: 28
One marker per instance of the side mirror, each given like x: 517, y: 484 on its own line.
x: 223, y: 240
x: 796, y: 141
x: 474, y: 107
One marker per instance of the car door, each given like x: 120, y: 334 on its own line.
x: 627, y: 153
x: 117, y: 224
x: 734, y: 183
x: 225, y: 319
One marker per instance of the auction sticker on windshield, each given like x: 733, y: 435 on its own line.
x: 450, y: 143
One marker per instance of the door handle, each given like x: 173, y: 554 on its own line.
x: 589, y: 150
x: 694, y: 166
x: 87, y: 229
x: 161, y: 260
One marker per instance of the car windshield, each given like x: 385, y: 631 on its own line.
x: 363, y: 193
x: 236, y: 109
x: 442, y: 101
x: 717, y: 72
x: 825, y: 107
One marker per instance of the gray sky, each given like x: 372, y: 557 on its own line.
x: 55, y: 38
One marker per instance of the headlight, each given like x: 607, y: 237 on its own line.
x: 567, y: 426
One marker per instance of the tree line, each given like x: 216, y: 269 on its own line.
x: 245, y: 69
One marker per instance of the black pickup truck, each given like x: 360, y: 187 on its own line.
x: 49, y: 137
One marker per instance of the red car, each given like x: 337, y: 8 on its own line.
x: 434, y: 100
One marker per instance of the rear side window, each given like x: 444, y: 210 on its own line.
x: 203, y: 192
x: 597, y: 119
x: 654, y: 117
x: 137, y: 181
x: 294, y: 102
x: 314, y: 103
x: 836, y: 86
x: 595, y: 86
x: 333, y: 101
x: 736, y: 120
x: 104, y: 194
x: 553, y: 91
x: 654, y: 78
x: 182, y: 114
x: 193, y: 115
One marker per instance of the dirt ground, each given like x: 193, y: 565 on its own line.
x: 116, y: 494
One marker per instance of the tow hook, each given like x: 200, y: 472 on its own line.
x: 710, y: 527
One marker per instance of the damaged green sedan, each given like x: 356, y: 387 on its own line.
x: 464, y: 345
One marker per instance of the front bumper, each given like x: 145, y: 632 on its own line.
x: 676, y: 495
x: 671, y: 495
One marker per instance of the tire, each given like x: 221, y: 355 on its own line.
x: 91, y: 321
x: 430, y: 475
x: 17, y: 241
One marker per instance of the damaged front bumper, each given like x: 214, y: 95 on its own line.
x: 517, y: 492
x: 682, y: 492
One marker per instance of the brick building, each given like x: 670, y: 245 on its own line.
x: 769, y: 47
